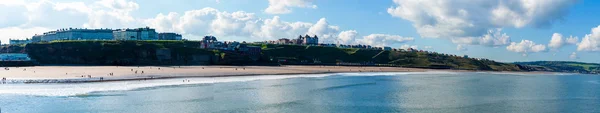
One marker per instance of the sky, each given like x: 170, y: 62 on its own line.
x: 501, y: 30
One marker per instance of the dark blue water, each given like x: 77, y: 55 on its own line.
x: 446, y: 93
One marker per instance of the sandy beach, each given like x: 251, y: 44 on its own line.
x: 43, y: 74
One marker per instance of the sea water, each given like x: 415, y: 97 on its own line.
x: 447, y: 92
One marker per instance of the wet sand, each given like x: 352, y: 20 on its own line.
x: 71, y: 74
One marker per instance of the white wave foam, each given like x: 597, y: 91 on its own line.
x: 397, y: 73
x: 594, y: 82
x: 85, y: 88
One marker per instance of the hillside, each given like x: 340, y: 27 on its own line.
x: 190, y: 53
x: 119, y: 53
x: 561, y: 66
x: 297, y: 54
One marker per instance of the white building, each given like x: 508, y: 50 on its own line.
x: 169, y: 36
x: 75, y: 34
x: 307, y: 40
x: 135, y: 34
x: 19, y: 42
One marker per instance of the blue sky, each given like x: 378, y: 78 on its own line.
x: 502, y: 30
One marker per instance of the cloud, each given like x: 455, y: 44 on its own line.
x: 472, y: 19
x: 493, y: 38
x: 19, y: 33
x: 384, y: 39
x: 283, y: 6
x: 591, y: 42
x: 99, y: 14
x: 347, y: 37
x: 461, y: 48
x: 572, y: 40
x: 427, y: 47
x: 15, y: 14
x: 525, y: 47
x: 557, y: 41
x: 573, y: 56
x: 241, y: 24
x: 406, y: 46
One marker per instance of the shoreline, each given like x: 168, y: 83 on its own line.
x: 90, y: 74
x: 95, y: 74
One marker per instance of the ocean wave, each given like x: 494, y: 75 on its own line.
x: 66, y: 89
x: 594, y: 82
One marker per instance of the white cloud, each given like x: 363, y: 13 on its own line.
x: 572, y: 40
x: 242, y: 24
x: 19, y: 33
x: 591, y: 42
x: 473, y: 18
x: 573, y: 56
x: 427, y: 47
x: 461, y: 48
x: 283, y: 6
x: 325, y: 31
x: 493, y: 38
x: 525, y: 47
x: 406, y: 46
x: 557, y: 41
x: 15, y: 14
x: 347, y: 37
x: 119, y: 5
x: 384, y: 39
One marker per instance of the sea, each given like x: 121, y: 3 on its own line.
x: 404, y: 92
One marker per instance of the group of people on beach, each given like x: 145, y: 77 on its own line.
x: 3, y: 80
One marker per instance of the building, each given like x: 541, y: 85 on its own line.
x: 36, y: 38
x: 19, y: 42
x: 135, y: 34
x: 169, y: 36
x: 14, y: 57
x: 284, y: 41
x: 387, y: 48
x: 307, y: 40
x: 209, y: 42
x: 75, y: 34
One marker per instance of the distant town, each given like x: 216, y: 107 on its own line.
x: 208, y: 42
x: 98, y: 34
x: 151, y: 34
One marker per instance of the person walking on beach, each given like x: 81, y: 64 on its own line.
x: 3, y: 80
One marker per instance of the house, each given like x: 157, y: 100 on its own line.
x: 169, y: 36
x: 19, y: 42
x: 307, y: 40
x: 208, y: 42
x: 284, y: 41
x: 387, y: 48
x: 135, y: 34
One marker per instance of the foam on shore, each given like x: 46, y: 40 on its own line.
x: 67, y: 89
x: 61, y: 89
